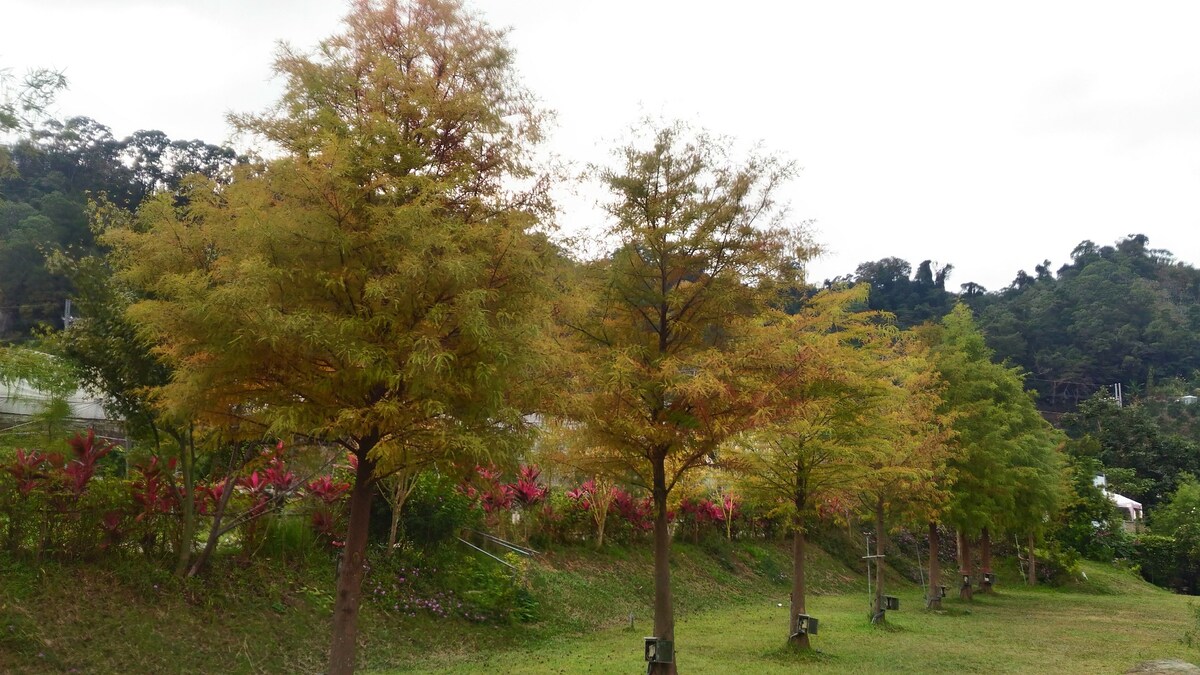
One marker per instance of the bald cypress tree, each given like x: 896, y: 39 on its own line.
x: 379, y: 284
x: 675, y: 335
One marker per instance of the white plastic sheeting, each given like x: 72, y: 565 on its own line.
x: 21, y: 398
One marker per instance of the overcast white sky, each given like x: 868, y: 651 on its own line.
x: 986, y: 135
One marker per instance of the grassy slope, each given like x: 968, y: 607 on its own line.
x: 129, y: 616
x: 1106, y: 625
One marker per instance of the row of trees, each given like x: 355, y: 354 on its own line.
x: 387, y: 284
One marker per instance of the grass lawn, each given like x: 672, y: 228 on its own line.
x: 129, y: 615
x: 1105, y: 626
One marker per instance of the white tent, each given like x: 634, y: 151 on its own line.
x: 1131, y: 509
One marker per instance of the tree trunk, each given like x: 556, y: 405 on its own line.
x: 934, y: 598
x: 187, y: 455
x: 973, y: 559
x: 1032, y: 579
x: 350, y: 572
x: 878, y: 614
x: 399, y: 496
x: 214, y: 534
x: 664, y: 616
x: 964, y: 566
x: 985, y: 560
x: 797, y: 640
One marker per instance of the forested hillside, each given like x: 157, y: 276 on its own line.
x: 1124, y: 313
x: 48, y: 176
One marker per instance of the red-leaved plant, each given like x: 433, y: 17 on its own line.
x: 527, y: 491
x: 492, y: 494
x: 87, y: 452
x: 326, y: 490
x: 325, y: 513
x: 637, y: 512
x: 154, y: 491
x: 29, y: 469
x: 208, y: 497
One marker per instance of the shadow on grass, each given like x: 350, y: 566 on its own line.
x: 949, y: 611
x: 789, y: 654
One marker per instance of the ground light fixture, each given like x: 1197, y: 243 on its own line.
x: 659, y: 650
x: 805, y: 625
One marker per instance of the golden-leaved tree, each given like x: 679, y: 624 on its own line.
x: 818, y: 450
x: 677, y: 349
x: 906, y: 480
x: 380, y: 283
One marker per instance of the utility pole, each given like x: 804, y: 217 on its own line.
x: 67, y: 318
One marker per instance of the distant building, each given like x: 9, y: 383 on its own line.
x: 1187, y: 400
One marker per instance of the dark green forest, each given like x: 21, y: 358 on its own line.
x: 1124, y: 313
x: 47, y: 178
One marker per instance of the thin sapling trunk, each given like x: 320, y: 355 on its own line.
x: 187, y: 452
x: 878, y: 614
x: 214, y: 533
x: 1032, y: 579
x: 985, y: 561
x: 934, y: 598
x: 964, y: 566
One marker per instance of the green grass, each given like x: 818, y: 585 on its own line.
x: 272, y: 615
x: 1107, y: 625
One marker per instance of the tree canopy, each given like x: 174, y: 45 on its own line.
x: 379, y: 285
x: 675, y: 335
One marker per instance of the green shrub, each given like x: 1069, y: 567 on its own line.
x: 288, y: 535
x: 1057, y: 564
x: 560, y: 520
x: 494, y: 592
x: 1168, y: 561
x: 436, y: 511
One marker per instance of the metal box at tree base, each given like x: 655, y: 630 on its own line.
x: 805, y: 625
x: 659, y: 651
x: 891, y: 602
x: 989, y: 579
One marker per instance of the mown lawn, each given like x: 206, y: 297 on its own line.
x: 1107, y: 625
